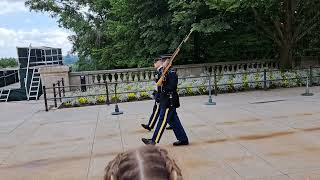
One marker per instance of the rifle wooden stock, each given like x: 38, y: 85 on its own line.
x: 172, y: 58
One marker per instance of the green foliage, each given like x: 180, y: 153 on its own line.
x: 189, y: 90
x: 257, y: 79
x: 115, y: 98
x: 272, y: 79
x: 131, y: 96
x: 299, y: 80
x: 202, y: 89
x: 285, y: 81
x: 101, y: 99
x: 83, y: 100
x: 127, y: 33
x: 245, y: 81
x: 68, y: 104
x: 8, y: 62
x: 230, y: 84
x: 144, y: 95
x: 129, y: 87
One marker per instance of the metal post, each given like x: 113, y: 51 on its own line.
x: 59, y: 91
x: 107, y: 92
x: 307, y: 93
x: 215, y: 83
x: 54, y: 95
x: 45, y: 98
x: 15, y: 77
x: 265, y: 79
x: 63, y: 88
x: 116, y: 109
x: 5, y: 80
x: 311, y: 76
x: 210, y: 101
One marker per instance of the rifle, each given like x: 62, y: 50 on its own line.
x: 172, y: 58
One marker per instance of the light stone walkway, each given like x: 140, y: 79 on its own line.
x: 240, y: 138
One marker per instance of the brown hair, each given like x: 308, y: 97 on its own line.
x: 145, y: 163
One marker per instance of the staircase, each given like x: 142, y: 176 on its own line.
x: 4, y: 95
x: 34, y: 85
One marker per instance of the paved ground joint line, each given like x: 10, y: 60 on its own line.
x: 22, y: 142
x: 24, y: 121
x: 92, y: 145
x: 283, y: 173
x: 245, y: 148
x: 226, y: 163
x: 118, y: 119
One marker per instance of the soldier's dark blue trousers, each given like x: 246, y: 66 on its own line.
x: 154, y: 116
x: 169, y: 115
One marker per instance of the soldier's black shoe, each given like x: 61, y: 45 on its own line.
x: 146, y: 127
x: 169, y: 128
x: 181, y: 143
x: 148, y: 141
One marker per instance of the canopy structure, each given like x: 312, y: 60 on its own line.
x: 30, y: 59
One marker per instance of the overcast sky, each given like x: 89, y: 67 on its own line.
x: 20, y: 27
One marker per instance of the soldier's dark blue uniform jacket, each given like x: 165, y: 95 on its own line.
x: 168, y: 94
x: 156, y: 94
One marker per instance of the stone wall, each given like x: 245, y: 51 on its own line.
x: 147, y: 74
x: 54, y: 73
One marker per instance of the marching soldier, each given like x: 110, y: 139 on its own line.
x: 169, y: 101
x: 156, y: 108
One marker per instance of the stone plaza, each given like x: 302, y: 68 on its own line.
x: 270, y: 134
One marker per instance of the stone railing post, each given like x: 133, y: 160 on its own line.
x: 113, y: 78
x: 130, y: 76
x: 146, y: 74
x: 51, y: 74
x: 141, y: 78
x: 135, y: 74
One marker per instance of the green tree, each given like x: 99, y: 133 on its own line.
x: 125, y: 33
x: 285, y: 22
x: 8, y: 62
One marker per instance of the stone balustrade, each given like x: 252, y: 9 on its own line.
x: 147, y: 74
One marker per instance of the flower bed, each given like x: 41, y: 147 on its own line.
x: 191, y: 86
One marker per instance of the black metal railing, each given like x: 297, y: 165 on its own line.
x: 58, y: 90
x: 112, y: 91
x: 8, y: 79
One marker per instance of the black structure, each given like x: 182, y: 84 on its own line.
x: 30, y: 59
x: 8, y: 77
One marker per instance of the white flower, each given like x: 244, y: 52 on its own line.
x: 237, y: 80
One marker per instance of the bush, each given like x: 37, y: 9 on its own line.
x: 129, y: 87
x: 189, y: 91
x: 271, y: 78
x: 230, y: 85
x: 101, y: 99
x: 8, y: 62
x: 144, y: 95
x: 256, y: 80
x: 68, y: 104
x: 245, y: 81
x: 115, y: 98
x: 202, y: 89
x: 285, y: 82
x: 83, y: 100
x: 132, y: 96
x: 195, y: 86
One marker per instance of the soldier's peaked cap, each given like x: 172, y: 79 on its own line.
x: 165, y: 56
x: 157, y: 59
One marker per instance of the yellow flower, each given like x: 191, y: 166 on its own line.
x: 83, y: 100
x: 131, y: 96
x: 101, y: 99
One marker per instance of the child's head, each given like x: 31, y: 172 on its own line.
x: 145, y: 163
